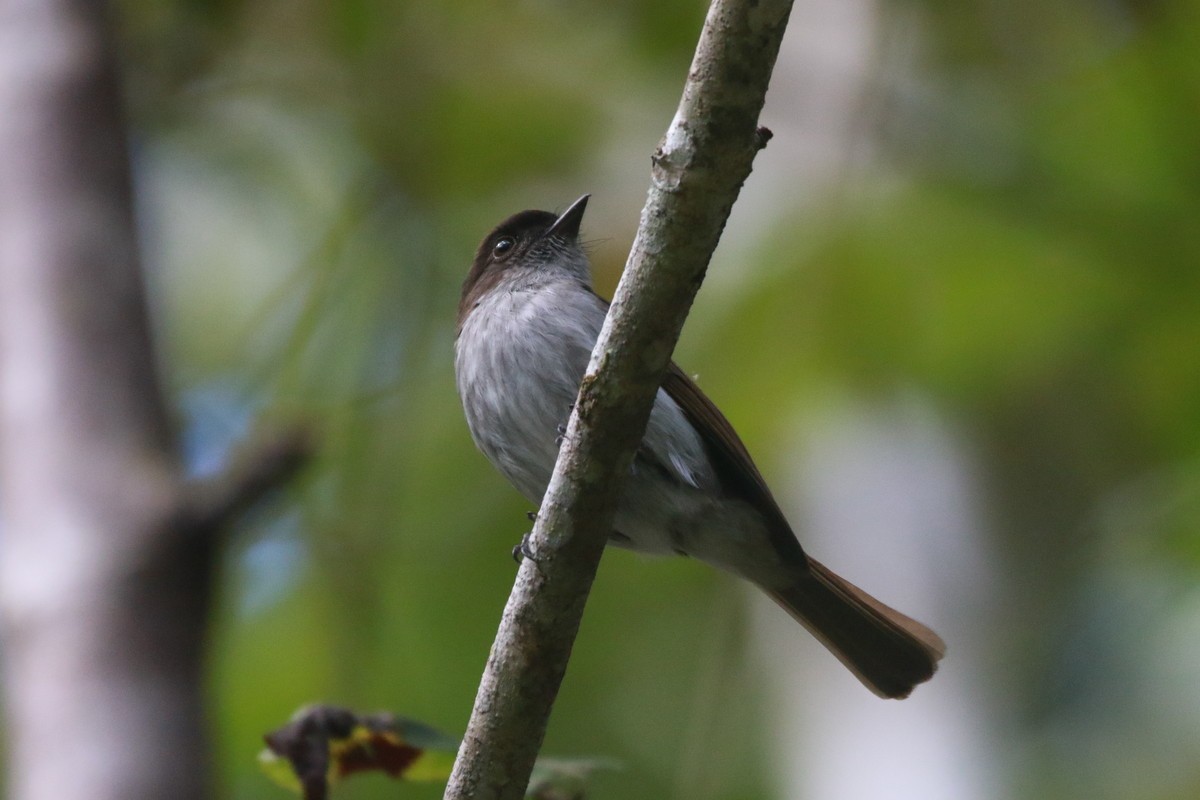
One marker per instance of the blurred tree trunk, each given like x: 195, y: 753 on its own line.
x: 108, y: 553
x: 104, y: 594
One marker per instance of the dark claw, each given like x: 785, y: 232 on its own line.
x: 524, y: 550
x: 562, y: 429
x: 531, y: 516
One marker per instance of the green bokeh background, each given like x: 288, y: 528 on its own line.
x: 1007, y: 230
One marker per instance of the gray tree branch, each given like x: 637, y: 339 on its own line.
x: 697, y: 172
x: 104, y: 582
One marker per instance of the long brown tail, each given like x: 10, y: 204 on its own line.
x: 889, y: 652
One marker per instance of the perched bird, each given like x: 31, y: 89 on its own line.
x: 527, y: 322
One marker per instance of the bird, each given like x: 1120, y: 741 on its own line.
x: 528, y: 319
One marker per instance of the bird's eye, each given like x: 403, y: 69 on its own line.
x: 502, y: 247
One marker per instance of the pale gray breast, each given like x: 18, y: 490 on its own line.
x: 529, y: 350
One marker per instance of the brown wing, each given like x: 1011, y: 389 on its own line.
x: 888, y: 651
x: 735, y: 468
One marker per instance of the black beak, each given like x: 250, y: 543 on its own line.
x: 567, y: 224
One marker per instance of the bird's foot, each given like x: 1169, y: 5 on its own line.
x: 524, y: 550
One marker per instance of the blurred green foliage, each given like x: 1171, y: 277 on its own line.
x: 1022, y: 250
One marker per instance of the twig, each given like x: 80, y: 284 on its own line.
x: 265, y: 462
x: 697, y: 172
